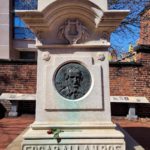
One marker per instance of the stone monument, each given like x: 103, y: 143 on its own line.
x: 73, y: 76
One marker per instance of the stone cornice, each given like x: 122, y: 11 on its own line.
x: 92, y: 20
x: 112, y: 18
x: 76, y: 46
x: 38, y: 21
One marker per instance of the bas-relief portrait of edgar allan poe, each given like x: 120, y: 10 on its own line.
x: 72, y: 81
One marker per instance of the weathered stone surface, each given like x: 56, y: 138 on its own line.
x: 5, y: 29
x: 72, y: 41
x: 73, y: 147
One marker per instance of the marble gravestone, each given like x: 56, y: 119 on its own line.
x: 73, y: 76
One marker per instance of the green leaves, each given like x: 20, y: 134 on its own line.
x: 56, y: 133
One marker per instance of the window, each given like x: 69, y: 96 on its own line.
x: 25, y: 4
x: 20, y: 31
x: 28, y: 55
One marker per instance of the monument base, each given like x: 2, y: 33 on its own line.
x: 104, y: 138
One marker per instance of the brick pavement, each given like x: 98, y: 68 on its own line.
x: 10, y: 128
x: 139, y: 130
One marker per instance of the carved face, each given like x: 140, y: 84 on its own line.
x: 74, y: 77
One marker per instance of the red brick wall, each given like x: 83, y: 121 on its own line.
x: 125, y: 79
x: 17, y: 77
x: 131, y: 80
x: 145, y: 27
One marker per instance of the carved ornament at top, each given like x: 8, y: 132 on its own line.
x: 73, y: 31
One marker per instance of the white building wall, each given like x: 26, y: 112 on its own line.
x: 5, y: 29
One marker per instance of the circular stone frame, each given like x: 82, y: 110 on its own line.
x: 72, y: 80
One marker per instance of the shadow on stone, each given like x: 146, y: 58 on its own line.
x: 141, y: 135
x: 2, y: 111
x: 26, y: 107
x: 118, y: 109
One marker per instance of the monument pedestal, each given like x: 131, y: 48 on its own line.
x: 104, y: 137
x: 73, y: 76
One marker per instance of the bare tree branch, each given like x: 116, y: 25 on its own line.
x: 131, y: 24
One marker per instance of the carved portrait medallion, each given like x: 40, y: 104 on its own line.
x: 72, y: 81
